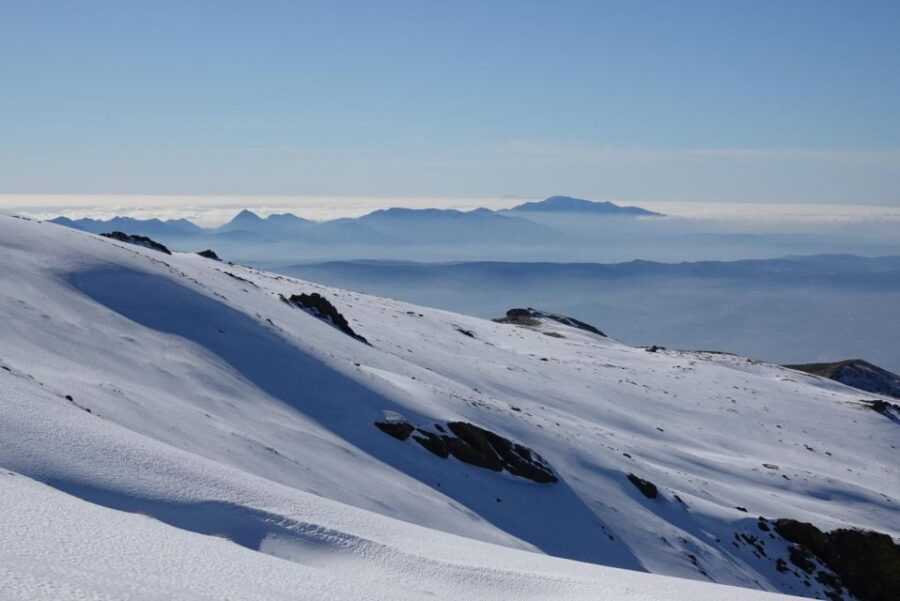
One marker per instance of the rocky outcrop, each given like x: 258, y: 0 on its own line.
x: 399, y: 430
x: 476, y: 446
x: 138, y: 240
x: 317, y: 305
x: 532, y: 317
x: 867, y: 563
x: 209, y: 254
x: 647, y: 488
x: 889, y: 410
x: 856, y: 373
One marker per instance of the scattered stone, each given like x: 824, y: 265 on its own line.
x: 137, y: 240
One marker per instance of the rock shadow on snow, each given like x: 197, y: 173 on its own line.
x: 553, y: 519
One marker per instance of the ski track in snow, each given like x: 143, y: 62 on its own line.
x: 219, y: 443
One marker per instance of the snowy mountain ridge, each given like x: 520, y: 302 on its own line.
x: 186, y: 393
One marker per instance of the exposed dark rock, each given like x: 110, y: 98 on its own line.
x: 647, y: 488
x: 468, y: 333
x: 801, y: 558
x: 829, y: 580
x: 433, y: 442
x: 867, y: 563
x: 856, y: 373
x: 240, y: 279
x: 399, y: 430
x: 476, y: 446
x: 889, y: 410
x: 319, y: 306
x: 138, y: 240
x: 209, y: 254
x: 532, y: 317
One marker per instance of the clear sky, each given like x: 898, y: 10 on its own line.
x: 787, y: 101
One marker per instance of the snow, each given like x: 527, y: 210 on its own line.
x: 220, y: 443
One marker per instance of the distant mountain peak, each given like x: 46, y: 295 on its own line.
x: 285, y: 218
x: 569, y: 204
x: 246, y: 216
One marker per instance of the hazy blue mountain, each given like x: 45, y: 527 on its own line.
x: 277, y: 225
x: 144, y: 227
x: 448, y: 235
x: 568, y: 204
x: 790, y: 310
x: 452, y: 226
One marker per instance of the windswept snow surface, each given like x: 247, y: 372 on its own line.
x: 171, y: 429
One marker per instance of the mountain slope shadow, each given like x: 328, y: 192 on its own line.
x: 254, y: 529
x: 552, y: 518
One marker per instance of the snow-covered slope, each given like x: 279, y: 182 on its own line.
x: 188, y: 392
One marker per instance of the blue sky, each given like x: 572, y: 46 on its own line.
x: 711, y: 101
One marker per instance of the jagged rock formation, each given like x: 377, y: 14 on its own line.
x: 531, y: 317
x: 475, y: 446
x: 867, y: 563
x: 319, y: 306
x: 138, y: 240
x: 856, y: 373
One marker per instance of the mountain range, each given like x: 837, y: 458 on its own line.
x: 181, y: 427
x: 384, y: 226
